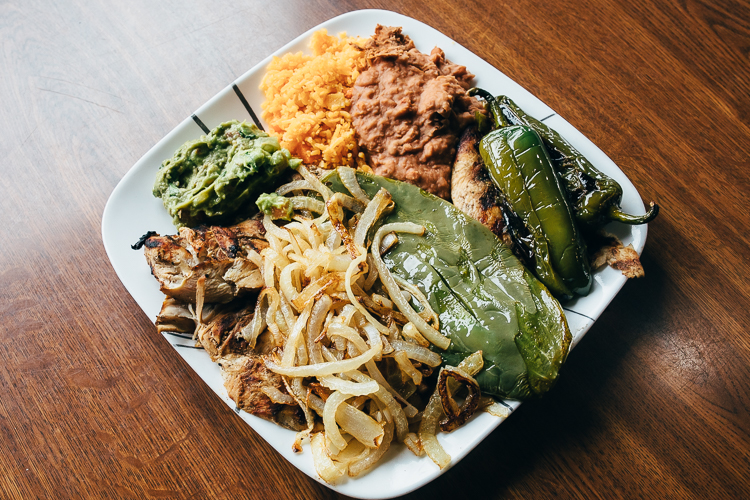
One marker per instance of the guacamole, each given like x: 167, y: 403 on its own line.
x: 275, y: 206
x: 221, y: 174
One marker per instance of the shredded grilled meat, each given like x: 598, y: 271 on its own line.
x: 243, y: 369
x: 220, y: 254
x: 623, y: 258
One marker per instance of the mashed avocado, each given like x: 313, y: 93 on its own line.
x: 220, y: 174
x: 275, y: 206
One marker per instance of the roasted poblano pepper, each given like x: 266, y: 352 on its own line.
x: 595, y: 197
x: 521, y: 168
x: 485, y: 299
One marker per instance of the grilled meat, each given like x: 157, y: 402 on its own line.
x: 611, y: 251
x: 472, y: 189
x: 220, y: 254
x: 224, y: 257
x: 244, y: 372
x: 220, y: 335
x: 245, y: 377
x: 175, y: 317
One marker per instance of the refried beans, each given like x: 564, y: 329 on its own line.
x: 408, y: 109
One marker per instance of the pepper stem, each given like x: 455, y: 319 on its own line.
x: 500, y: 120
x: 615, y: 213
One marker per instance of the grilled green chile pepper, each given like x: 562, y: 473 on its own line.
x: 521, y: 168
x: 485, y: 298
x: 595, y: 197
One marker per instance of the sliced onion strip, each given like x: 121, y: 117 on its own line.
x: 494, y: 408
x: 395, y: 410
x: 328, y: 470
x: 418, y: 353
x: 457, y: 415
x: 295, y: 338
x: 274, y: 230
x: 412, y: 442
x: 375, y: 209
x: 348, y: 333
x: 372, y: 369
x: 316, y: 184
x: 350, y: 272
x: 428, y: 429
x: 333, y: 435
x: 298, y: 185
x: 307, y: 203
x: 395, y: 292
x: 357, y: 468
x: 321, y: 369
x: 315, y: 326
x: 315, y: 289
x: 407, y: 367
x: 427, y: 313
x: 276, y: 396
x: 287, y: 281
x: 336, y: 213
x: 250, y: 334
x: 348, y: 178
x: 359, y: 424
x: 348, y: 387
x: 410, y: 331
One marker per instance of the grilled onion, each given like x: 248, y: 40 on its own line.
x: 336, y: 313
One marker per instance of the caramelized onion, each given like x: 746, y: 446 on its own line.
x: 360, y: 466
x: 380, y: 204
x: 307, y: 203
x: 298, y: 185
x: 316, y: 184
x: 418, y: 353
x: 360, y: 425
x: 348, y: 387
x: 328, y: 470
x: 428, y: 430
x: 333, y: 435
x: 457, y: 415
x: 395, y: 292
x: 348, y: 178
x: 332, y: 334
x: 321, y: 369
x: 276, y: 396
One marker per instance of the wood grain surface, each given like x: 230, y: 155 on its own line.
x: 654, y: 402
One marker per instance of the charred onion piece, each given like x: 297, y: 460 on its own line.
x: 457, y: 415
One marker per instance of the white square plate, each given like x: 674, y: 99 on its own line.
x: 132, y: 210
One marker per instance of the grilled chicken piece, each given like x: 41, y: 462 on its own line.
x: 243, y: 369
x: 472, y: 189
x: 221, y: 334
x: 220, y: 254
x: 245, y: 377
x: 623, y: 258
x: 175, y: 317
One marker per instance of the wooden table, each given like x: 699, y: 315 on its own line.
x: 655, y: 401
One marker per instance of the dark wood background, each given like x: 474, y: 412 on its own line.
x: 654, y: 402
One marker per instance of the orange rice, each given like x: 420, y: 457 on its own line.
x: 308, y: 101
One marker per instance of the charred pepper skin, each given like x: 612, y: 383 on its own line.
x: 595, y: 197
x: 520, y: 166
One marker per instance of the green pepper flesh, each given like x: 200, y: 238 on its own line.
x: 485, y: 298
x: 521, y: 168
x: 595, y: 196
